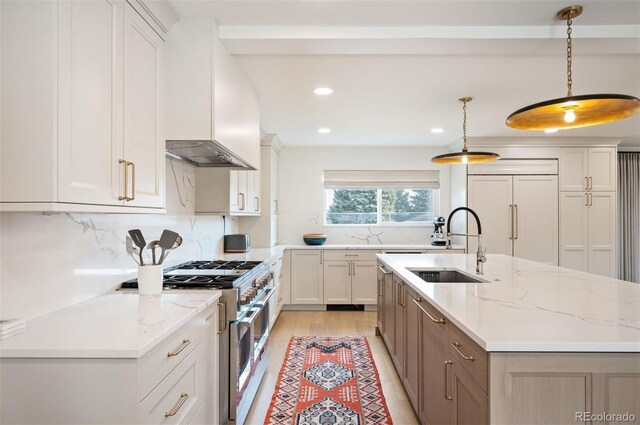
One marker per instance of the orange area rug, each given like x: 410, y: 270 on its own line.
x: 328, y: 381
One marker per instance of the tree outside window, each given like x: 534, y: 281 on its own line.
x: 379, y: 206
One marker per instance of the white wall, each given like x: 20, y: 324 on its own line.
x: 301, y: 191
x: 50, y: 262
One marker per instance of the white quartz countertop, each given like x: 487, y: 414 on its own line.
x: 116, y: 325
x: 408, y: 247
x: 530, y: 306
x: 255, y: 254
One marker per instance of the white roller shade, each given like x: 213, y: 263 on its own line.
x: 382, y: 179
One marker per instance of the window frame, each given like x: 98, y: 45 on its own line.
x: 379, y: 222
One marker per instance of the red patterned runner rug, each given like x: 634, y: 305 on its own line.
x: 328, y: 381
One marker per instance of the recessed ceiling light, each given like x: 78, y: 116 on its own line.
x: 437, y: 130
x: 323, y: 91
x: 551, y: 130
x: 324, y: 130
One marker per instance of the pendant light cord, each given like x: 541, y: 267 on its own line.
x: 569, y: 79
x: 464, y: 101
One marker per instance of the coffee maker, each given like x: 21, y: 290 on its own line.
x: 438, y: 236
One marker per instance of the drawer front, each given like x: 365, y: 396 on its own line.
x: 177, y: 399
x: 350, y: 254
x: 159, y: 362
x: 463, y: 349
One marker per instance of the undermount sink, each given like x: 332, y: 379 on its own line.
x: 446, y: 275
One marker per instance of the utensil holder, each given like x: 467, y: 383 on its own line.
x: 150, y: 280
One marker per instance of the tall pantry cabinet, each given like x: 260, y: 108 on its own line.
x: 588, y: 209
x: 517, y: 202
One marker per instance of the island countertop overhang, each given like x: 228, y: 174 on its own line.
x: 529, y: 306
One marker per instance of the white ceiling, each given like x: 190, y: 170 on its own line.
x: 398, y: 67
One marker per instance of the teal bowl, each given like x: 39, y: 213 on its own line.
x: 314, y: 238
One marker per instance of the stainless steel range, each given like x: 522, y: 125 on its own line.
x: 247, y: 287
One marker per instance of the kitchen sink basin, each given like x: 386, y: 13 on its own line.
x: 448, y: 275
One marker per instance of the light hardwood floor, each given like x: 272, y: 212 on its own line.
x: 335, y: 323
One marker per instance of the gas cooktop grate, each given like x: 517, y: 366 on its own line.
x: 218, y: 265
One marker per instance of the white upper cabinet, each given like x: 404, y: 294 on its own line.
x: 81, y: 102
x: 209, y: 97
x: 143, y: 111
x: 89, y: 127
x: 591, y: 169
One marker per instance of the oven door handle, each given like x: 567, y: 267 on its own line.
x: 265, y: 300
x: 248, y: 321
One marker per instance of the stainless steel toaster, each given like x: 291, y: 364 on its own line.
x: 237, y: 243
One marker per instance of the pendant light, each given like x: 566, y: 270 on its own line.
x: 464, y: 156
x: 573, y: 111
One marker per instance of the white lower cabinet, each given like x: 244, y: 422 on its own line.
x: 307, y: 281
x: 587, y: 232
x: 337, y: 282
x: 174, y: 383
x: 277, y: 299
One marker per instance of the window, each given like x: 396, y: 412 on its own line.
x: 380, y: 206
x: 381, y: 197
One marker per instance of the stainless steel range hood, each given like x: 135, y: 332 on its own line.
x: 205, y: 153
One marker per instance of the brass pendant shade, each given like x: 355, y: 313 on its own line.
x: 573, y: 111
x: 464, y: 156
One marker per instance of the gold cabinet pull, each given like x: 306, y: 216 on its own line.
x: 380, y: 286
x: 182, y: 401
x: 586, y: 183
x: 433, y: 319
x: 126, y: 180
x: 586, y: 199
x: 456, y: 345
x: 515, y: 208
x: 185, y: 343
x: 398, y: 294
x: 511, y: 215
x: 133, y: 180
x: 257, y: 203
x: 275, y: 209
x: 590, y: 183
x: 349, y: 268
x: 223, y: 317
x: 242, y: 203
x: 590, y: 199
x: 353, y: 268
x: 446, y: 381
x: 383, y: 270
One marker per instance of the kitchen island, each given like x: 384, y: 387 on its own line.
x: 532, y: 343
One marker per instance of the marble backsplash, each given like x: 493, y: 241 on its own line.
x: 48, y: 262
x: 294, y: 225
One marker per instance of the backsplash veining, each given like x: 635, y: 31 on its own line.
x: 48, y: 262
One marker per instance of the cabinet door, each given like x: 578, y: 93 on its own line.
x: 337, y: 282
x: 398, y: 345
x: 274, y: 230
x: 411, y: 375
x: 379, y: 306
x: 470, y: 403
x: 256, y: 193
x: 275, y: 166
x: 535, y: 203
x: 363, y: 288
x: 435, y: 407
x: 602, y: 169
x: 90, y: 102
x: 573, y: 169
x: 307, y: 285
x: 491, y: 198
x: 234, y: 191
x: 144, y: 143
x: 574, y: 231
x: 388, y: 311
x: 602, y: 233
